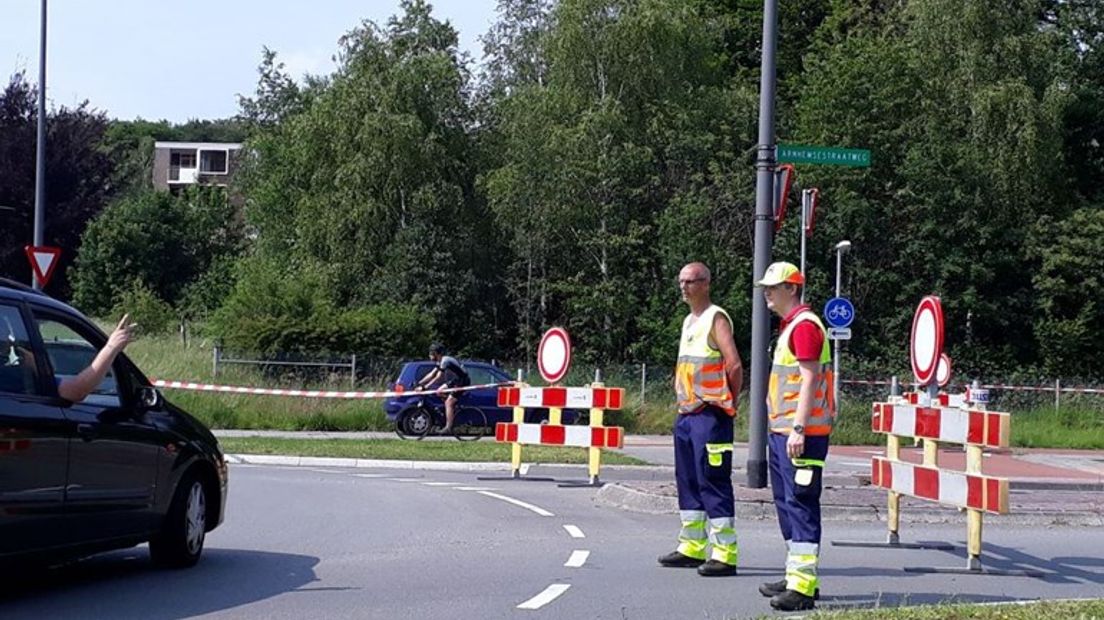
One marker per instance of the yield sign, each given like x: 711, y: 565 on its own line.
x: 43, y: 259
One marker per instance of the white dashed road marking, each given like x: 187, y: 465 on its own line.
x: 474, y: 488
x: 517, y: 502
x: 440, y: 484
x: 577, y: 559
x: 550, y: 593
x: 405, y: 479
x: 574, y: 531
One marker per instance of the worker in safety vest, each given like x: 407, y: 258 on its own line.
x: 707, y: 381
x: 801, y: 409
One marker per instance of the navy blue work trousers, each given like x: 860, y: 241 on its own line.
x: 798, y: 505
x: 702, y: 486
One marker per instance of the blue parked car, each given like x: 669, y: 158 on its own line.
x: 416, y: 413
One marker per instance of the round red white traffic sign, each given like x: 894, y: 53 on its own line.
x: 926, y: 343
x: 554, y: 354
x: 943, y: 370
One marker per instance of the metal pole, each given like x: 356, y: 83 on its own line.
x: 352, y: 373
x: 764, y: 238
x: 643, y: 380
x: 801, y: 231
x: 836, y: 343
x: 40, y: 148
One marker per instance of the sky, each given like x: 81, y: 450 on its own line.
x: 157, y: 60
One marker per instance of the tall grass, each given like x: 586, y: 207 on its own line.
x: 1079, y: 423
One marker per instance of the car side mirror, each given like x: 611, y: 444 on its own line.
x: 149, y: 397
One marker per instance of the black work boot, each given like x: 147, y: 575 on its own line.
x: 716, y: 568
x: 774, y: 588
x: 791, y: 600
x: 678, y: 560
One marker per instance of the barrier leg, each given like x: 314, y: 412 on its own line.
x: 893, y: 515
x: 973, y: 517
x: 594, y: 457
x: 515, y: 457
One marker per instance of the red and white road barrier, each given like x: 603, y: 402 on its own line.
x: 562, y: 397
x: 559, y: 435
x: 946, y: 487
x: 236, y: 389
x: 963, y: 426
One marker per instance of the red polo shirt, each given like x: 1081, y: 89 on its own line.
x: 807, y: 340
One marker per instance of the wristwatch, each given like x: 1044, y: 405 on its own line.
x: 799, y: 429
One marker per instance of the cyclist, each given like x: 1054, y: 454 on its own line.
x: 449, y: 373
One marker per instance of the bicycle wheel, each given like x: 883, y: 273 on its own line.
x: 474, y: 424
x: 414, y: 422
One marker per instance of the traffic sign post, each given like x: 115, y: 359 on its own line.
x: 44, y: 260
x: 826, y: 155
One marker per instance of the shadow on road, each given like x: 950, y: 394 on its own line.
x: 125, y: 584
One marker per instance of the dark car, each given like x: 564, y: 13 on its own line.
x: 120, y: 468
x: 486, y: 399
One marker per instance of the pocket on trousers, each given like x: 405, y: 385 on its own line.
x: 807, y: 482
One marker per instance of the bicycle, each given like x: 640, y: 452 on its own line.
x: 419, y: 419
x: 839, y: 312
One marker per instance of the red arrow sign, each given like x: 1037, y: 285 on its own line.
x: 43, y: 259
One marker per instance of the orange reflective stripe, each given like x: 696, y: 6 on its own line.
x: 713, y: 385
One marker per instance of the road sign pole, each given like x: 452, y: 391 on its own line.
x: 40, y: 148
x: 764, y: 229
x: 836, y: 344
x: 805, y: 194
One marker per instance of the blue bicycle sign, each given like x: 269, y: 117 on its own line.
x: 839, y: 312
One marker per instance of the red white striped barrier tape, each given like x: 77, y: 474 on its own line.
x: 559, y: 435
x: 963, y: 426
x: 993, y: 386
x: 946, y: 487
x: 235, y: 389
x: 576, y: 398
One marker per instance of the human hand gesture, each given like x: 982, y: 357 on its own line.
x: 122, y: 335
x: 795, y: 445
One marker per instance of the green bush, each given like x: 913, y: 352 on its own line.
x: 152, y: 314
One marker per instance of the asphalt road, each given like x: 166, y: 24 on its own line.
x: 338, y: 543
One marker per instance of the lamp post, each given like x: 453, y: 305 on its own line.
x: 841, y: 247
x: 764, y: 239
x: 40, y: 148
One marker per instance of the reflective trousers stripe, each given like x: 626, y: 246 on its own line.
x: 801, y: 568
x: 722, y: 535
x: 692, y: 537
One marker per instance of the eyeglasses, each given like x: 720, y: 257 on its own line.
x: 690, y: 281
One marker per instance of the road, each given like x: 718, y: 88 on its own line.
x: 343, y: 543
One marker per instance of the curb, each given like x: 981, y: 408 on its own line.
x: 623, y: 497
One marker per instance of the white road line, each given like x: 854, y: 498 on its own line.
x: 550, y: 593
x: 440, y: 484
x: 517, y: 502
x: 574, y: 531
x: 474, y: 488
x: 577, y: 559
x: 369, y: 475
x: 405, y: 479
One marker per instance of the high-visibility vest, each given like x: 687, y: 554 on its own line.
x: 700, y: 378
x: 785, y: 384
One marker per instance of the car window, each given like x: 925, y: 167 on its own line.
x: 18, y: 371
x: 422, y: 370
x: 70, y: 352
x: 481, y: 376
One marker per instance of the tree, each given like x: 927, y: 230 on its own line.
x: 155, y: 241
x: 79, y: 179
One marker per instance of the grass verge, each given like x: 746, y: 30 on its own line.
x: 1074, y: 610
x: 482, y: 451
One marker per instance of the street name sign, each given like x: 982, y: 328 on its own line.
x: 827, y: 155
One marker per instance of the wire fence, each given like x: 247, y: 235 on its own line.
x: 648, y: 382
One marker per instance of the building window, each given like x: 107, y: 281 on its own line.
x: 212, y: 162
x: 182, y: 159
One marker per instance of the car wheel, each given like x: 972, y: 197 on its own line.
x: 180, y: 541
x: 415, y: 422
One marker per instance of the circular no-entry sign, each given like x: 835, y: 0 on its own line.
x: 943, y: 370
x: 554, y: 354
x: 926, y: 344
